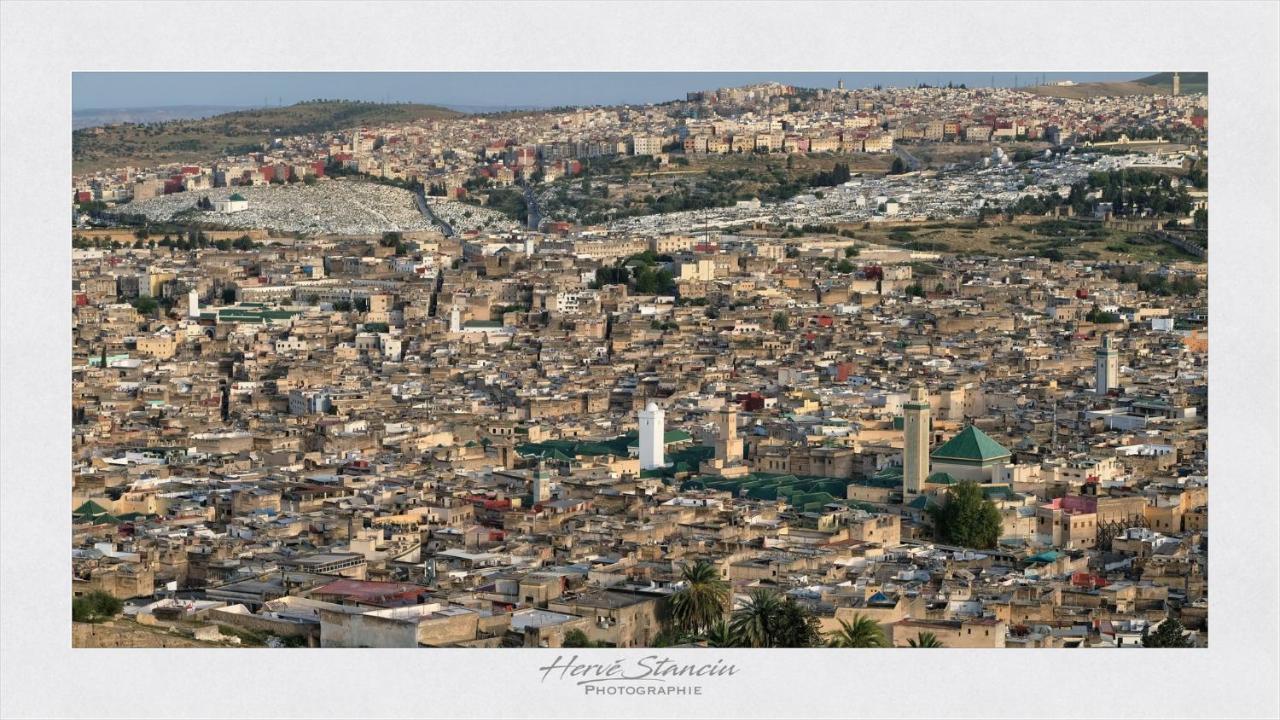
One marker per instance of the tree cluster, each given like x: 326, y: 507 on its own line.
x: 967, y: 519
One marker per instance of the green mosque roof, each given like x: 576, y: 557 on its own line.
x: 970, y: 445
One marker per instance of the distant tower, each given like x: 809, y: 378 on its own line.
x: 915, y: 446
x: 1177, y: 84
x: 541, y: 483
x: 1106, y: 364
x: 728, y: 445
x: 652, y: 434
x: 193, y: 304
x: 455, y: 320
x: 840, y: 84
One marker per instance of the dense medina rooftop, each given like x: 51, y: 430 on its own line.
x: 503, y: 437
x: 442, y: 443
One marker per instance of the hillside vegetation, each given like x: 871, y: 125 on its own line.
x: 209, y: 138
x: 1158, y: 84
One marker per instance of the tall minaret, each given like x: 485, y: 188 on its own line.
x: 915, y: 446
x: 541, y: 483
x: 652, y: 435
x: 193, y: 304
x: 1106, y: 366
x: 1177, y: 84
x: 455, y: 320
x: 728, y: 445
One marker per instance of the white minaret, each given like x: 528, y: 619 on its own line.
x: 193, y: 304
x: 1177, y: 84
x: 915, y: 446
x: 652, y: 436
x: 1106, y: 366
x: 455, y: 320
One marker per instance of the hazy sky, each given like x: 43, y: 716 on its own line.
x: 485, y: 89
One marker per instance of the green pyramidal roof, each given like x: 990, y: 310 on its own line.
x: 89, y: 507
x: 970, y: 445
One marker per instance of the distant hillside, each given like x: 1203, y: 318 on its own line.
x: 93, y: 117
x: 1185, y: 78
x: 1189, y: 82
x: 1158, y: 84
x: 206, y: 139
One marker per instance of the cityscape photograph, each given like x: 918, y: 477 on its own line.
x: 639, y: 360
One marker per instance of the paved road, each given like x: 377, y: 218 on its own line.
x: 534, y: 218
x: 425, y: 209
x: 913, y: 163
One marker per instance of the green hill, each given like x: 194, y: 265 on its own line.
x: 206, y: 139
x: 1185, y: 78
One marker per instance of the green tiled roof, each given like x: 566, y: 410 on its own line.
x: 90, y: 508
x: 668, y: 437
x: 970, y: 445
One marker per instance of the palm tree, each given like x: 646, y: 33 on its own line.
x: 753, y: 623
x: 720, y: 635
x: 862, y: 632
x: 703, y: 599
x: 925, y: 640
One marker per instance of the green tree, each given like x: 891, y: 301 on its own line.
x: 796, y: 627
x: 844, y: 267
x: 720, y: 635
x: 95, y: 607
x: 577, y: 639
x: 702, y: 601
x: 780, y: 321
x: 1169, y: 634
x: 967, y: 519
x: 1101, y: 317
x: 146, y: 305
x: 898, y: 167
x: 646, y: 281
x: 862, y: 632
x: 768, y: 619
x: 753, y: 623
x: 925, y: 640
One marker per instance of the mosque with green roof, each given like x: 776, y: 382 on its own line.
x: 969, y: 455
